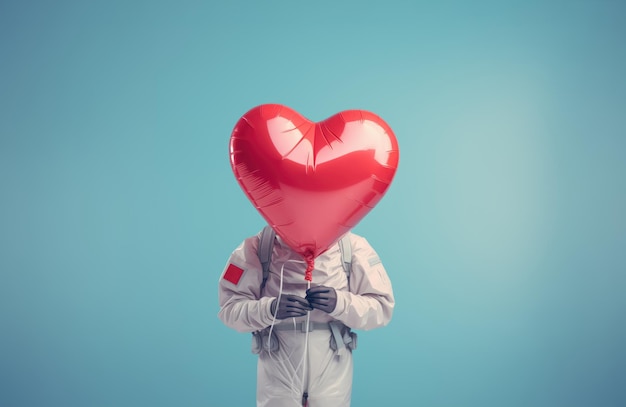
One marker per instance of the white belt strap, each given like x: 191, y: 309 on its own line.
x: 335, y: 329
x: 301, y: 326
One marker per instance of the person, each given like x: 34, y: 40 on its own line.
x: 302, y: 331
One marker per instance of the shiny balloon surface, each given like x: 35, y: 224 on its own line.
x: 312, y: 182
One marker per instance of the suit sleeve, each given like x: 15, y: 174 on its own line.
x: 369, y: 303
x: 239, y: 291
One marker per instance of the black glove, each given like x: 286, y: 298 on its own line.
x: 290, y: 306
x: 322, y: 297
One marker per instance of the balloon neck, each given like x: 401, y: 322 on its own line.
x: 310, y: 264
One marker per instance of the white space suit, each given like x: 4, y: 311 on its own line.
x: 304, y: 363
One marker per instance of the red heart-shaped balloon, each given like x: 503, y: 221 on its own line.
x: 312, y: 182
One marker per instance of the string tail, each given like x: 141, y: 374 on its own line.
x: 310, y: 264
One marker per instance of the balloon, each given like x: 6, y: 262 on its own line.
x: 312, y: 182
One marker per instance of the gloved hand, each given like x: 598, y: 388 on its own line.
x: 290, y: 306
x: 322, y: 297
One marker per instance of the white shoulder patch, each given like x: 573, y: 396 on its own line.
x: 373, y: 261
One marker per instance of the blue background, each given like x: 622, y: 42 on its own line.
x: 504, y: 231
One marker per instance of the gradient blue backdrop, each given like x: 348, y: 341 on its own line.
x: 504, y: 232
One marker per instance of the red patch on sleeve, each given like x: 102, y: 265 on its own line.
x: 233, y: 274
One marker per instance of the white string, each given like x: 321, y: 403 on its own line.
x: 269, y: 338
x: 305, y: 352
